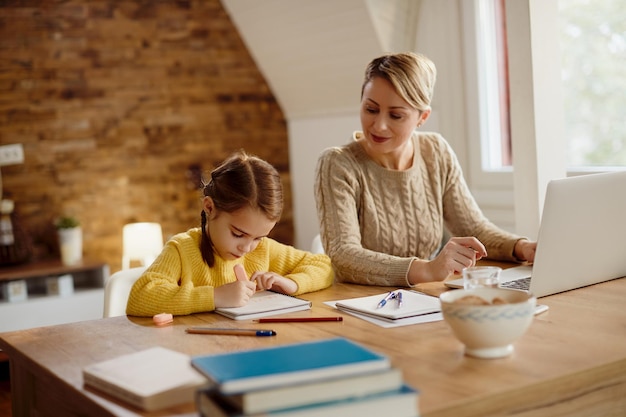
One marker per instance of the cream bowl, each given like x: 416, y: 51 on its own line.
x: 488, y: 331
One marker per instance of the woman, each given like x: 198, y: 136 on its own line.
x: 384, y: 199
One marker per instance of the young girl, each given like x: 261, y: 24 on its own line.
x: 195, y: 272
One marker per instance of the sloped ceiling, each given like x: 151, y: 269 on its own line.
x: 313, y: 52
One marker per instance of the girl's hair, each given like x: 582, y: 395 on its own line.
x: 412, y: 76
x: 242, y: 181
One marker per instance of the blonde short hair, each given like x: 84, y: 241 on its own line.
x: 412, y: 75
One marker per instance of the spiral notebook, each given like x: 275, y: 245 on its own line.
x: 263, y: 304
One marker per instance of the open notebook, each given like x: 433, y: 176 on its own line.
x: 263, y: 304
x: 581, y: 237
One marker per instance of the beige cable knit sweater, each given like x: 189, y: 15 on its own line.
x: 375, y: 221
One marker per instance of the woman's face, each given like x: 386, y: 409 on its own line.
x: 387, y: 120
x: 237, y: 233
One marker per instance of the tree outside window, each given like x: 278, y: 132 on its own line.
x: 593, y: 49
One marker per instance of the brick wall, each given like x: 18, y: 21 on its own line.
x: 119, y: 105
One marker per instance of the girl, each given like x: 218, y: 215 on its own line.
x: 195, y: 271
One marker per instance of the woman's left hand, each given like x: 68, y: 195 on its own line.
x: 524, y: 250
x: 274, y: 282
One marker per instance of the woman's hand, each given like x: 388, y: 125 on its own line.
x: 458, y: 253
x: 274, y: 282
x: 524, y: 250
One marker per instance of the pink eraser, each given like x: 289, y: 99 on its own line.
x: 162, y: 318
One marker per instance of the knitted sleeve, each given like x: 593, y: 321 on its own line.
x: 463, y: 216
x: 168, y: 285
x: 312, y: 272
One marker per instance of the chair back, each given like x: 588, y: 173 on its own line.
x: 117, y: 290
x: 142, y: 242
x: 316, y: 245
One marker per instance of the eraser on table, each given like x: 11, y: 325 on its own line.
x: 162, y: 318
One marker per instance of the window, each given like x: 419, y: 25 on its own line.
x: 593, y: 53
x: 593, y: 49
x: 493, y: 85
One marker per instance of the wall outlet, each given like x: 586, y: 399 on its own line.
x: 11, y: 154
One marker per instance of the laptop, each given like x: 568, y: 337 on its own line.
x: 581, y: 237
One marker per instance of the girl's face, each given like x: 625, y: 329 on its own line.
x: 388, y: 122
x: 237, y: 233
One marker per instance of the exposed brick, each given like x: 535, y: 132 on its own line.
x: 116, y: 103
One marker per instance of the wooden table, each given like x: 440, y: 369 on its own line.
x: 571, y: 362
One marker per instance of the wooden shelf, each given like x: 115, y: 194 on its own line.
x: 45, y: 268
x: 85, y: 302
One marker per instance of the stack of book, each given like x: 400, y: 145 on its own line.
x: 325, y: 378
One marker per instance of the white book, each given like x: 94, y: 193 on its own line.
x: 149, y: 379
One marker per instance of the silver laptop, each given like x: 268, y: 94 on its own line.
x: 581, y: 238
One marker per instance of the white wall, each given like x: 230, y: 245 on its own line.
x: 307, y: 138
x: 313, y: 54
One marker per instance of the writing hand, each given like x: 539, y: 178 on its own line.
x: 235, y: 294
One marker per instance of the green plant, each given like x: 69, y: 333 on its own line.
x: 66, y: 222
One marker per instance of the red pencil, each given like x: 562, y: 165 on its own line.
x: 298, y: 319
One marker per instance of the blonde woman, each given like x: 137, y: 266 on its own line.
x: 385, y: 199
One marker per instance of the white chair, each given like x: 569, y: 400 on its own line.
x: 117, y: 290
x: 316, y: 245
x: 142, y: 242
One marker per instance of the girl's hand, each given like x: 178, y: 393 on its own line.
x: 274, y: 282
x: 235, y: 294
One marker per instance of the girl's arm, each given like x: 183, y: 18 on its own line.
x: 167, y: 286
x: 310, y: 272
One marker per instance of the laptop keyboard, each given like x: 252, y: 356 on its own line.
x: 518, y: 284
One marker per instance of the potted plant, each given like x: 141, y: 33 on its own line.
x: 70, y: 239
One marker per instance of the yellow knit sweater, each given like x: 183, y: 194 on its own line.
x: 180, y: 282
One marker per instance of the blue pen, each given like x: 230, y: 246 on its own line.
x: 382, y: 302
x: 230, y: 331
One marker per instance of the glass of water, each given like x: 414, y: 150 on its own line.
x: 481, y: 277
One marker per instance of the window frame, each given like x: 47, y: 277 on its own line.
x: 477, y: 129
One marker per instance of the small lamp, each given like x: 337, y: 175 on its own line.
x: 142, y: 242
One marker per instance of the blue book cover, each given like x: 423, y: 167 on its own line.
x: 248, y: 370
